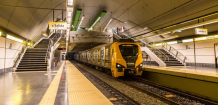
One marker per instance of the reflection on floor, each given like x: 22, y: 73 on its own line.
x: 190, y: 69
x: 25, y: 88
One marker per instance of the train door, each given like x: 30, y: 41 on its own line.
x: 93, y: 57
x: 102, y: 56
x: 113, y: 63
x: 106, y: 57
x: 99, y: 56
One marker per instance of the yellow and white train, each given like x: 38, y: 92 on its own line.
x: 119, y: 58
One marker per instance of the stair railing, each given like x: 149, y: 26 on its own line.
x: 20, y: 54
x: 48, y: 56
x: 157, y: 52
x: 174, y: 52
x: 56, y: 38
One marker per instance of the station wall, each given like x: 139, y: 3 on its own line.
x: 204, y: 51
x: 9, y: 50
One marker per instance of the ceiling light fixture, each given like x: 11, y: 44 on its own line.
x: 69, y: 14
x: 94, y: 23
x: 107, y: 25
x: 187, y: 40
x: 171, y: 37
x: 70, y: 2
x: 0, y: 33
x: 174, y: 42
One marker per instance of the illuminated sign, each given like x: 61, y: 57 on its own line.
x: 201, y: 31
x: 58, y: 25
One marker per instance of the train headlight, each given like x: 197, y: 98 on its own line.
x: 140, y: 65
x: 119, y: 66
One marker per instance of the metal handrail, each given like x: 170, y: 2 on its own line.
x: 156, y: 49
x: 19, y: 55
x: 164, y: 45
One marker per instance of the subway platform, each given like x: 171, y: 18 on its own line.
x: 63, y: 85
x: 201, y: 81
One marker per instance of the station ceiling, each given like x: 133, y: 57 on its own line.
x: 29, y: 17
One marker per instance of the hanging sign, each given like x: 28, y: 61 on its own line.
x: 58, y: 25
x: 201, y: 31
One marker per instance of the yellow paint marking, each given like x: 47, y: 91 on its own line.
x: 81, y: 91
x: 50, y: 95
x: 169, y: 96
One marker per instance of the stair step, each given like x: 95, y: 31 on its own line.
x: 32, y: 64
x: 33, y: 56
x: 41, y: 69
x: 30, y: 67
x: 175, y: 65
x: 171, y: 61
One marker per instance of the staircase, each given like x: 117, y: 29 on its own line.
x: 172, y: 61
x: 165, y: 55
x: 35, y: 59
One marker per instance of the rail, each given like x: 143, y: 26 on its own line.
x: 159, y: 53
x: 174, y: 52
x: 56, y: 38
x: 18, y: 57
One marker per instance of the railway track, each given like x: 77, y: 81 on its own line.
x: 176, y: 96
x: 119, y: 98
x: 165, y: 94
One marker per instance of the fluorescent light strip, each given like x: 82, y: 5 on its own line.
x: 69, y: 14
x: 80, y: 22
x: 70, y: 2
x: 175, y: 42
x: 68, y: 19
x: 187, y: 40
x: 15, y: 39
x: 94, y: 23
x: 107, y: 24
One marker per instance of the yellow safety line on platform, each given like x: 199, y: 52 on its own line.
x: 81, y: 91
x: 50, y: 95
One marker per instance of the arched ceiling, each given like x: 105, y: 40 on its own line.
x: 29, y: 17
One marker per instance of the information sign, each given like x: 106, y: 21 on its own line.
x: 58, y: 25
x: 201, y: 31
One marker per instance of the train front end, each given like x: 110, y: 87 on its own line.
x: 128, y: 59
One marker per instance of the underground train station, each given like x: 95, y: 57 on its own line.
x: 108, y: 52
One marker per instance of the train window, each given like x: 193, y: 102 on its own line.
x: 102, y: 53
x: 95, y: 54
x: 129, y: 50
x: 106, y: 52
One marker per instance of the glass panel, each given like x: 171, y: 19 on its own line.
x: 129, y: 50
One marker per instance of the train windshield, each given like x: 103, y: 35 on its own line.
x: 129, y: 50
